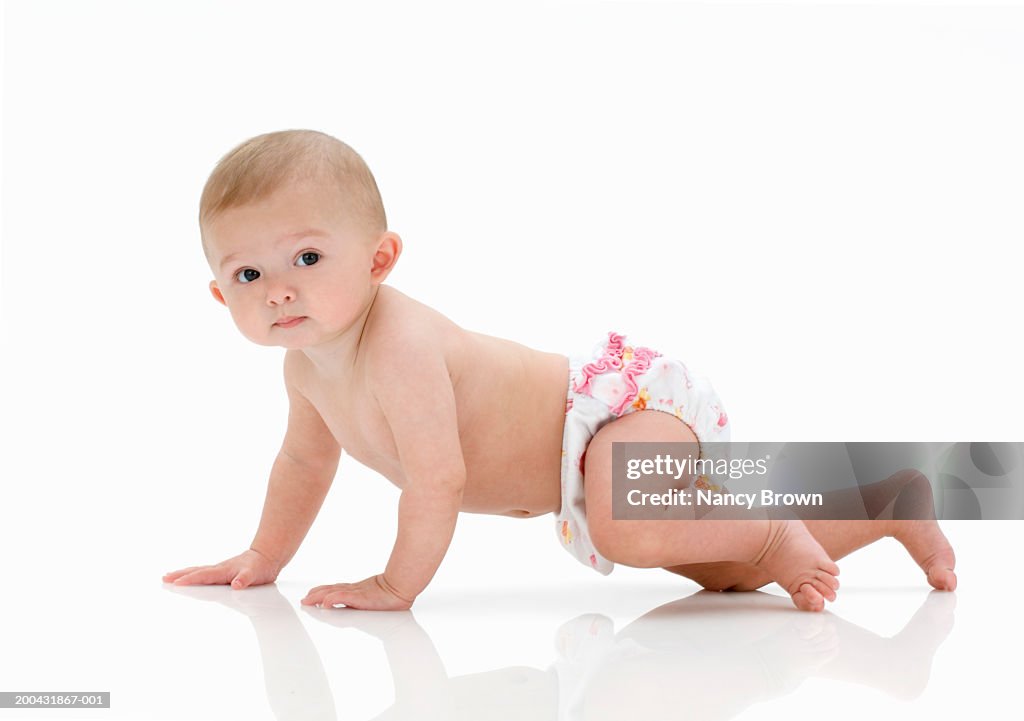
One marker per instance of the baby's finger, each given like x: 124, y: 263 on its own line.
x: 202, y: 577
x: 169, y: 577
x: 315, y: 594
x: 344, y: 597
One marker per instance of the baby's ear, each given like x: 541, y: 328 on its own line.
x: 215, y: 291
x: 389, y: 247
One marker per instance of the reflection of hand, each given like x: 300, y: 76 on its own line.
x: 250, y: 568
x: 370, y: 594
x: 385, y: 626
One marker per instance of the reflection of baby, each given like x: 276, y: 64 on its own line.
x: 295, y: 233
x: 640, y: 671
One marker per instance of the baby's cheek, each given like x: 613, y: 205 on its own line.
x: 249, y: 326
x: 240, y: 320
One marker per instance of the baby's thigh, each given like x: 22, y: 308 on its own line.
x: 631, y: 543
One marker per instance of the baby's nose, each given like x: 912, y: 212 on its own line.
x: 277, y: 295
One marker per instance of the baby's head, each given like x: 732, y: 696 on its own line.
x: 293, y: 227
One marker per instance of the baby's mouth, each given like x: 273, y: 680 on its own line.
x: 289, y: 321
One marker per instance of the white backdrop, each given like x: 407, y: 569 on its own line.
x: 818, y: 206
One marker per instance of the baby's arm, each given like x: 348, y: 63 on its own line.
x: 299, y: 481
x: 410, y: 381
x: 419, y: 404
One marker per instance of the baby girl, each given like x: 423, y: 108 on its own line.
x: 294, y: 230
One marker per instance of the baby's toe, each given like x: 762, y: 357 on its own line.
x: 824, y: 588
x: 828, y: 580
x: 807, y: 598
x: 942, y: 579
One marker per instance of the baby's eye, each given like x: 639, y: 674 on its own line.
x: 308, y: 258
x: 247, y: 275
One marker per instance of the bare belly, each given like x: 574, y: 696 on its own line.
x: 511, y: 423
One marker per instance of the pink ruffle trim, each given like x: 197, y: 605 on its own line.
x: 628, y: 361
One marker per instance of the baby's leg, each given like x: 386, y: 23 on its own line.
x: 906, y: 494
x: 784, y: 550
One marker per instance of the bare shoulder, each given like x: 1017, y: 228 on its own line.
x: 296, y: 365
x: 406, y: 334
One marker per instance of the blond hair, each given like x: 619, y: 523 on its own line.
x: 261, y: 165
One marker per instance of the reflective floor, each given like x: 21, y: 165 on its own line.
x: 634, y: 645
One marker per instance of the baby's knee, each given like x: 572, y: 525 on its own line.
x: 629, y: 543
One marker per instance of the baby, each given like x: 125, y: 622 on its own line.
x: 294, y: 230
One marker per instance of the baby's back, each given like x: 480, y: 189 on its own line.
x: 510, y: 405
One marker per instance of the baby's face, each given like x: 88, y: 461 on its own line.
x: 292, y: 272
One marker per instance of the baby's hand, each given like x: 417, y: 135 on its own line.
x: 250, y: 568
x: 371, y: 594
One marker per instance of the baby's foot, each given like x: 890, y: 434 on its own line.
x: 799, y: 564
x: 928, y: 546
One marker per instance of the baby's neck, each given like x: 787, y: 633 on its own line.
x: 335, y: 358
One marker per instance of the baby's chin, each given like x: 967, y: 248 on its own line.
x: 290, y: 343
x: 277, y: 339
x: 301, y: 337
x: 294, y: 341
